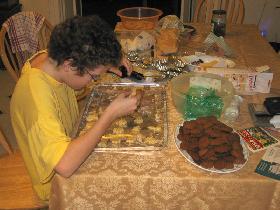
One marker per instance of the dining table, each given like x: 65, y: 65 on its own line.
x: 164, y: 179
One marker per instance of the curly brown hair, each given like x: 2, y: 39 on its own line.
x: 86, y: 41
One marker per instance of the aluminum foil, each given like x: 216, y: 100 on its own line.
x: 169, y: 67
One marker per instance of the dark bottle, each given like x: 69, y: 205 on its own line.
x: 219, y: 22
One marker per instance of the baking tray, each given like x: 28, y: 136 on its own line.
x: 146, y: 129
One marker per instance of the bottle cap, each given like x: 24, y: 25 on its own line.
x: 219, y: 12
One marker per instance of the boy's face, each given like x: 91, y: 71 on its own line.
x: 77, y: 82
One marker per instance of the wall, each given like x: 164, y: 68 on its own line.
x: 266, y: 15
x: 54, y: 10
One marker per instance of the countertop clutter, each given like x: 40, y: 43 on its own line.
x: 209, y: 168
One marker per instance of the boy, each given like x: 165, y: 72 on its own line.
x: 44, y: 107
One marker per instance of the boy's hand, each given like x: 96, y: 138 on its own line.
x: 124, y: 104
x: 127, y: 65
x: 124, y: 63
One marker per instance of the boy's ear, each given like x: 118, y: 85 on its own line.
x: 67, y: 65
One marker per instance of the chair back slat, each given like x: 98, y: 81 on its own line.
x: 44, y: 35
x: 209, y: 8
x: 41, y: 39
x: 203, y: 13
x: 198, y: 9
x: 240, y: 11
x: 216, y: 4
x: 6, y: 145
x: 19, y: 60
x: 230, y: 11
x: 225, y: 3
x: 7, y: 55
x: 11, y: 56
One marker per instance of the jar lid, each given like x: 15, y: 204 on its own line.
x: 219, y: 12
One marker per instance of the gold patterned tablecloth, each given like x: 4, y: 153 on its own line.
x: 165, y: 179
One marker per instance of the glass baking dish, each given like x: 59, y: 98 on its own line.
x: 145, y: 129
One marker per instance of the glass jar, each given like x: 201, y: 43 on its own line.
x: 218, y: 22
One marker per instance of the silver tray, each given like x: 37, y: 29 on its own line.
x: 146, y: 129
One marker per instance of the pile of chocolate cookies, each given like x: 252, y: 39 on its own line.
x: 211, y: 143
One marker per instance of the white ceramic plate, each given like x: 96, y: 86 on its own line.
x: 189, y: 158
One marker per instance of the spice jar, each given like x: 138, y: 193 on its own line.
x: 218, y: 22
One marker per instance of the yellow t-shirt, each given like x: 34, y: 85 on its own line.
x: 43, y: 114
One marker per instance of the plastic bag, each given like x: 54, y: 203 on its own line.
x: 208, y: 94
x: 202, y: 102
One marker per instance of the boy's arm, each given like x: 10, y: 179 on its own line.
x: 81, y: 147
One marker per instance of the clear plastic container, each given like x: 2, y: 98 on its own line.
x: 232, y: 111
x: 181, y: 84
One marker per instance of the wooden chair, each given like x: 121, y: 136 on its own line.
x: 13, y: 61
x: 234, y: 9
x: 4, y: 143
x: 16, y: 190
